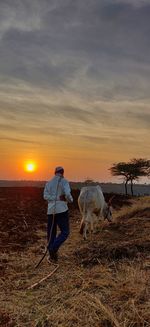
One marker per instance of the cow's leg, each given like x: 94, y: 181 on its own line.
x: 89, y: 221
x: 94, y: 222
x: 92, y: 225
x: 82, y: 226
x: 85, y: 230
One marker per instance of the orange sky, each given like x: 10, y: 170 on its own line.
x: 86, y: 154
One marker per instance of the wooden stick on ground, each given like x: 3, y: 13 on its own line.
x: 49, y: 275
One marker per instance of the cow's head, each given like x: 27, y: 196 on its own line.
x: 107, y: 211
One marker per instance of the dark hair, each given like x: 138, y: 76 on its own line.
x: 59, y: 170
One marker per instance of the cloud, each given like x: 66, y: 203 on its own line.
x: 91, y: 49
x: 17, y: 140
x: 20, y: 15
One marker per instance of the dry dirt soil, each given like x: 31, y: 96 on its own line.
x: 103, y: 282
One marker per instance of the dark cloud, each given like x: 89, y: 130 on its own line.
x: 7, y: 127
x: 34, y: 111
x: 17, y: 140
x: 139, y: 119
x: 98, y: 40
x: 39, y: 117
x: 108, y: 139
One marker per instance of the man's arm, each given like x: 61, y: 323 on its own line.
x: 67, y: 192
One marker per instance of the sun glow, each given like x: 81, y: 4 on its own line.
x: 30, y: 166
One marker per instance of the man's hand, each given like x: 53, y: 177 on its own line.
x: 62, y: 198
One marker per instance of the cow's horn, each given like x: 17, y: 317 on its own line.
x: 110, y: 200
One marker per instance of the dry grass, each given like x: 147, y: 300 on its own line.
x: 93, y: 285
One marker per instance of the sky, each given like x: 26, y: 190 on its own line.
x: 74, y: 86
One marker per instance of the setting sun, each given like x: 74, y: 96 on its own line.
x: 30, y: 166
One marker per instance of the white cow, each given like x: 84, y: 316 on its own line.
x: 92, y: 206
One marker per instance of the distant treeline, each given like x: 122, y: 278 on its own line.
x: 139, y: 189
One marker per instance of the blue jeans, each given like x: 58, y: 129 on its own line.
x: 61, y: 220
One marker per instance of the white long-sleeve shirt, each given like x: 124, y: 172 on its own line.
x: 54, y: 188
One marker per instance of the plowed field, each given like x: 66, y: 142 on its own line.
x: 103, y: 282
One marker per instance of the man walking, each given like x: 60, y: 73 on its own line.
x: 57, y: 192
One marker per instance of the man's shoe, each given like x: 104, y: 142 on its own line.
x: 53, y: 256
